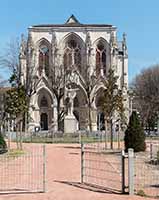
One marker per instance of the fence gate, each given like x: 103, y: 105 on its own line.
x: 101, y: 168
x: 23, y: 172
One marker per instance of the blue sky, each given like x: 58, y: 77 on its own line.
x: 138, y: 18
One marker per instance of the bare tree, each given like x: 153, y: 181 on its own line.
x: 112, y: 101
x: 89, y: 84
x: 146, y: 93
x: 58, y: 87
x: 15, y: 104
x: 10, y: 59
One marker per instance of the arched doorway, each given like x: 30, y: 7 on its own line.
x: 45, y: 103
x: 44, y: 121
x: 100, y: 121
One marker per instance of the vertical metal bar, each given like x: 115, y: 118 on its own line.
x: 44, y: 168
x: 150, y: 150
x: 123, y: 170
x: 131, y: 170
x: 82, y: 161
x: 80, y: 137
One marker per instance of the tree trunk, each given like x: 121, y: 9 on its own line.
x: 90, y: 119
x: 9, y: 134
x: 89, y: 115
x: 106, y: 134
x: 58, y: 115
x: 17, y: 136
x: 21, y: 138
x: 111, y: 134
x: 25, y: 122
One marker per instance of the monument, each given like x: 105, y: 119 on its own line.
x: 70, y: 121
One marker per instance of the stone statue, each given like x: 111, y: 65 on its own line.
x: 71, y: 93
x: 88, y: 40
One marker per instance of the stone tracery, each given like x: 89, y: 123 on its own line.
x: 82, y: 51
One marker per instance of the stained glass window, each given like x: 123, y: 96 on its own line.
x: 44, y: 60
x: 100, y: 59
x: 72, y: 55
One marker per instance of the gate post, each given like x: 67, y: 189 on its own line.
x: 123, y: 170
x: 131, y: 171
x: 82, y: 161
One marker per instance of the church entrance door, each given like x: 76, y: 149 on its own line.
x: 100, y: 121
x: 44, y: 121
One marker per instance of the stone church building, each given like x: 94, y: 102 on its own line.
x: 62, y: 66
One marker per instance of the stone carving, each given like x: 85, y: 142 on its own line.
x: 54, y: 42
x: 30, y: 45
x: 23, y: 46
x: 88, y: 41
x: 124, y: 43
x: 72, y: 77
x: 71, y: 93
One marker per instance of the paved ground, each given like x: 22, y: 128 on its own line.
x: 63, y: 177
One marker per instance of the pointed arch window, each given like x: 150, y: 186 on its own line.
x: 72, y: 55
x: 44, y: 59
x: 100, y: 59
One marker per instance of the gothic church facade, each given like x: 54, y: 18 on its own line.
x: 59, y: 57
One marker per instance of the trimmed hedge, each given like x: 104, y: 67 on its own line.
x: 134, y: 134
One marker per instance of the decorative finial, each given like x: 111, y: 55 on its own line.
x: 113, y: 40
x: 124, y: 43
x: 124, y: 38
x: 22, y: 46
x: 30, y: 43
x: 88, y: 40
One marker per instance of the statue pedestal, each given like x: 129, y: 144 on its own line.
x: 70, y: 124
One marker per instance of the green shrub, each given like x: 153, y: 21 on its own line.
x: 3, y: 145
x: 141, y: 193
x: 134, y: 134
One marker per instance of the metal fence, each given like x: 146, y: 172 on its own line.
x: 60, y: 137
x: 23, y: 171
x: 121, y: 172
x: 101, y: 168
x: 147, y: 171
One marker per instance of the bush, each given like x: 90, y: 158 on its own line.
x: 3, y: 145
x: 141, y: 193
x: 134, y: 134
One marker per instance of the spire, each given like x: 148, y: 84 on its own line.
x: 22, y: 47
x: 124, y: 46
x: 72, y: 20
x: 124, y: 38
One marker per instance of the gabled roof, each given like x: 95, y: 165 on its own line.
x: 71, y: 22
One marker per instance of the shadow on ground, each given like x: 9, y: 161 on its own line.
x: 90, y: 187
